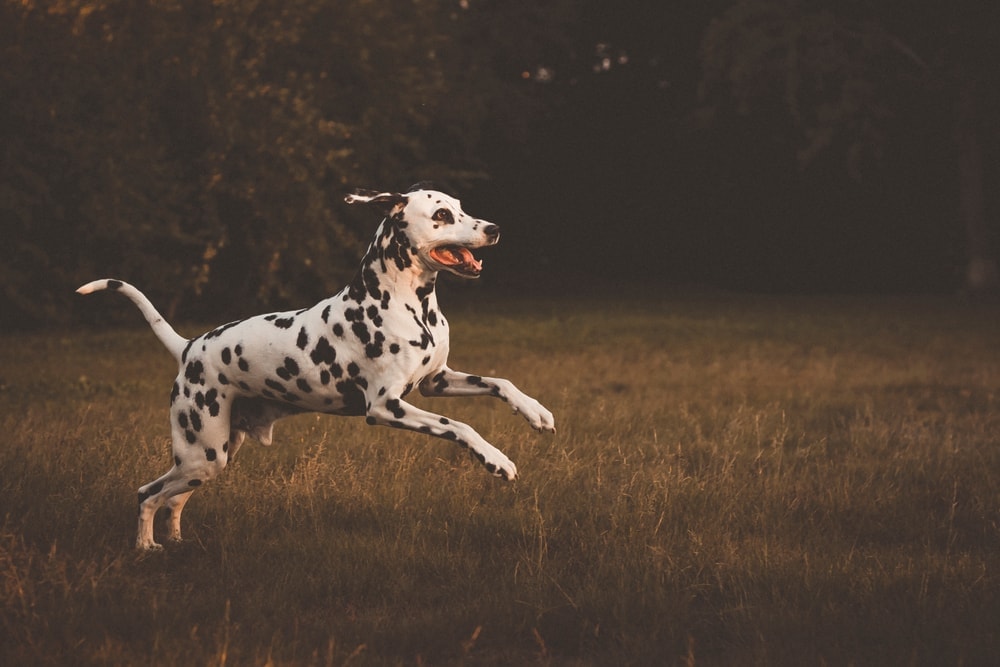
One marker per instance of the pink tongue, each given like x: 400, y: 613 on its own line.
x: 468, y: 258
x: 465, y: 257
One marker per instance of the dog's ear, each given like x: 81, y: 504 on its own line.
x: 385, y: 201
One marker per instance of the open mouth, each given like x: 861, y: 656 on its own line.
x: 458, y: 259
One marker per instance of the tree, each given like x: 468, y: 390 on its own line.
x: 841, y: 74
x: 202, y: 149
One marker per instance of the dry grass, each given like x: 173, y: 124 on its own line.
x: 734, y: 481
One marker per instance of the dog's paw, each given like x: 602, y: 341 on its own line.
x: 498, y: 464
x: 538, y: 415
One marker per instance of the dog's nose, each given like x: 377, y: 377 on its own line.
x: 492, y: 232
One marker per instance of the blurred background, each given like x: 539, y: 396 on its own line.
x: 202, y: 149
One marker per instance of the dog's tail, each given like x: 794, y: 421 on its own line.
x: 172, y: 340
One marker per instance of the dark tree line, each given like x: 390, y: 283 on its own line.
x: 202, y: 149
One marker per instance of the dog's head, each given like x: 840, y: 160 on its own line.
x: 432, y: 227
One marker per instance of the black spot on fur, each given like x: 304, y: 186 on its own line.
x: 425, y: 291
x: 244, y: 366
x: 210, y: 454
x: 394, y: 348
x: 190, y: 437
x: 275, y: 385
x: 394, y: 246
x: 215, y: 333
x: 361, y: 331
x: 182, y: 420
x: 324, y: 353
x: 395, y: 408
x: 424, y: 342
x: 223, y: 379
x: 374, y: 349
x: 195, y: 373
x: 227, y: 356
x: 303, y: 386
x: 212, y: 401
x: 303, y: 340
x: 195, y: 421
x: 114, y: 284
x: 326, y: 314
x: 477, y: 381
x: 284, y: 322
x: 338, y: 330
x: 354, y: 398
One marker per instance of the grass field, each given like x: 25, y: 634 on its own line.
x: 734, y: 481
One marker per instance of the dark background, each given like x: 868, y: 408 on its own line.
x: 202, y: 151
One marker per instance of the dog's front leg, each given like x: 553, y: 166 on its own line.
x: 397, y: 413
x: 455, y: 383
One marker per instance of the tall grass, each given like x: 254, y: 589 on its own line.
x: 734, y: 481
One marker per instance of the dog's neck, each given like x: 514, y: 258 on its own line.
x: 390, y: 267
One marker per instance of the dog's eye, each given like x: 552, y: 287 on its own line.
x: 443, y: 215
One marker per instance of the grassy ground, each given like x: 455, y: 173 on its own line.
x: 734, y: 481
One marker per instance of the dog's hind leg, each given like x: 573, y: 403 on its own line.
x: 196, y: 461
x: 175, y: 505
x: 152, y: 497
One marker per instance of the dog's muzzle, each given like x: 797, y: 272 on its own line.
x: 459, y: 259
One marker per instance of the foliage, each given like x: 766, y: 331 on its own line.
x: 827, y: 74
x: 734, y: 481
x: 848, y: 77
x: 202, y: 149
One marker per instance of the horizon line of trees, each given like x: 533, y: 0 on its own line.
x: 202, y: 148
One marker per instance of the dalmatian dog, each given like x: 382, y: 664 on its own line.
x: 358, y: 353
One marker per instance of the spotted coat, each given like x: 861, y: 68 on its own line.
x: 358, y: 353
